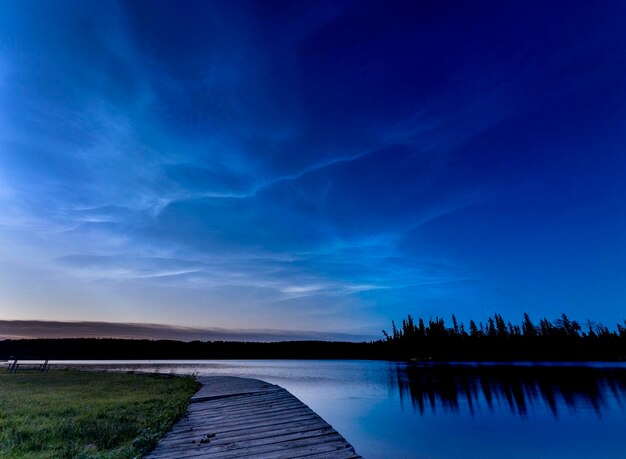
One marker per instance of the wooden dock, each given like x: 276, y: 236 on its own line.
x: 233, y: 417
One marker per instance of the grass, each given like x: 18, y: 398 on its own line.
x: 63, y: 414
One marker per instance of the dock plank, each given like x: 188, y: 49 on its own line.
x: 255, y: 419
x: 258, y: 433
x: 242, y: 408
x: 227, y: 446
x: 242, y: 426
x: 232, y: 417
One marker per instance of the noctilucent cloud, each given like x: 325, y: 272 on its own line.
x: 322, y: 166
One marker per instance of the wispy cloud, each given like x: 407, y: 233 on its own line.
x: 381, y: 156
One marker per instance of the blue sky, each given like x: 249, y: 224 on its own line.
x: 317, y: 166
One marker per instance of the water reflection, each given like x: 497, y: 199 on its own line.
x: 450, y: 387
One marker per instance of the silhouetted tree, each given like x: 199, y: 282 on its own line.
x: 491, y: 327
x: 545, y: 327
x: 500, y: 326
x: 473, y: 329
x: 528, y: 328
x: 455, y: 325
x: 421, y: 328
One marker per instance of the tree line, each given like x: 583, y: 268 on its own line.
x: 143, y: 349
x: 497, y: 339
x: 421, y: 340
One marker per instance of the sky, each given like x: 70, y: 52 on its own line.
x: 309, y: 168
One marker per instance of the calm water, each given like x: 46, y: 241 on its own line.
x: 388, y: 409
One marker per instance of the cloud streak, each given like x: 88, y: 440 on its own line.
x: 28, y: 329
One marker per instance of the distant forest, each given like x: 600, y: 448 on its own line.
x: 497, y: 340
x: 417, y: 340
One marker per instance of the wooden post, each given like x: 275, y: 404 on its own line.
x: 13, y: 366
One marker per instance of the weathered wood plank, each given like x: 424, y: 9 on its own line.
x: 223, y: 415
x: 235, y: 400
x: 217, y: 448
x: 346, y: 453
x: 222, y: 386
x: 237, y: 426
x: 226, y: 397
x: 242, y: 416
x: 259, y: 432
x: 223, y: 402
x: 207, y: 407
x: 321, y: 443
x: 236, y: 429
x: 208, y: 413
x: 233, y: 417
x: 255, y: 418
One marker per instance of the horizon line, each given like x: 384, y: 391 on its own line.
x: 52, y: 329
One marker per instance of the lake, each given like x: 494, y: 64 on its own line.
x: 390, y: 409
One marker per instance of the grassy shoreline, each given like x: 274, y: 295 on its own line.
x: 68, y: 414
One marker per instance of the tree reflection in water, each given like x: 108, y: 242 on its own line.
x: 518, y: 387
